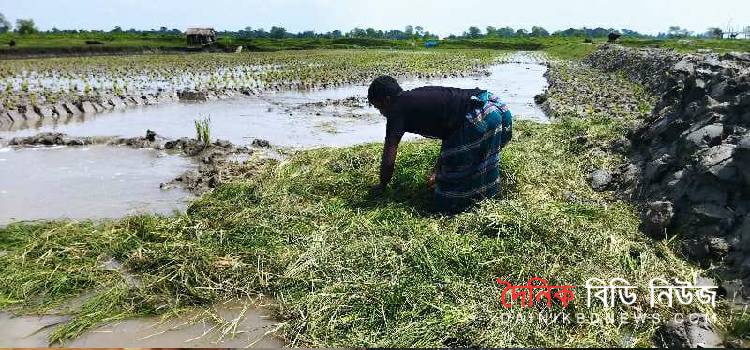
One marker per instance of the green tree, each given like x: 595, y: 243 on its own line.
x: 539, y: 31
x: 306, y: 34
x: 409, y: 30
x: 278, y: 32
x: 491, y: 31
x: 357, y: 33
x: 506, y: 32
x: 678, y: 32
x: 522, y: 32
x: 714, y: 32
x: 5, y: 25
x: 26, y: 26
x: 419, y: 31
x: 474, y: 32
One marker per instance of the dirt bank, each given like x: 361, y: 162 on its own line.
x: 29, y: 114
x: 689, y: 162
x: 621, y: 107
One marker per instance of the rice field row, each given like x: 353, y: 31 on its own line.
x: 51, y: 80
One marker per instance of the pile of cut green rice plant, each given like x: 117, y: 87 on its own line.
x: 346, y: 269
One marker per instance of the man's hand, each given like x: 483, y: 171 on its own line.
x: 431, y: 180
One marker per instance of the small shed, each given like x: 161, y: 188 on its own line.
x: 200, y: 36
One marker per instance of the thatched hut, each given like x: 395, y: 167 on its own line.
x: 200, y: 36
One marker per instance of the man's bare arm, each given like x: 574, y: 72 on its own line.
x: 388, y: 162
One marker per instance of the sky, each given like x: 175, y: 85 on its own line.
x: 442, y: 17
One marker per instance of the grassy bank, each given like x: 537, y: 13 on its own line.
x: 347, y: 269
x: 692, y: 45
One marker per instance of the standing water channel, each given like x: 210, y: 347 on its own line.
x: 109, y: 182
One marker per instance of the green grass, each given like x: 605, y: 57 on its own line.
x: 571, y: 50
x: 45, y: 40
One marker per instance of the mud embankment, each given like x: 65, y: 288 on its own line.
x: 690, y: 160
x: 30, y: 115
x: 684, y: 148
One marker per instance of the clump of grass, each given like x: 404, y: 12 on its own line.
x: 203, y: 130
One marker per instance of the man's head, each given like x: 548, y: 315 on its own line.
x: 381, y: 91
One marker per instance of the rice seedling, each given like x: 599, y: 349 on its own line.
x: 203, y: 130
x: 164, y: 74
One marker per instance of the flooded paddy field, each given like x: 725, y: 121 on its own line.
x: 44, y: 82
x: 338, y: 116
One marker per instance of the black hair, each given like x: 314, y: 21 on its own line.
x: 382, y: 87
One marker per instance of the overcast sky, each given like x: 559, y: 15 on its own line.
x: 438, y: 16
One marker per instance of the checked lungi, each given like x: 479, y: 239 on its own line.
x: 469, y: 164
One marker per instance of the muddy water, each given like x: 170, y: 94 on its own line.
x: 26, y: 331
x: 238, y: 326
x: 290, y: 119
x: 229, y: 325
x: 239, y: 120
x: 92, y: 182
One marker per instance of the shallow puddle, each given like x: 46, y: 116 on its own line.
x: 228, y: 325
x: 26, y: 331
x: 92, y: 182
x: 515, y: 83
x: 327, y: 117
x: 232, y: 325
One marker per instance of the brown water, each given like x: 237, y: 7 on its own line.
x: 228, y: 325
x: 91, y: 182
x: 286, y: 119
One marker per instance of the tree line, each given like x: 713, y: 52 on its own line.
x: 27, y: 26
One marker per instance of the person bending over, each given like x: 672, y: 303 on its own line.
x: 473, y: 124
